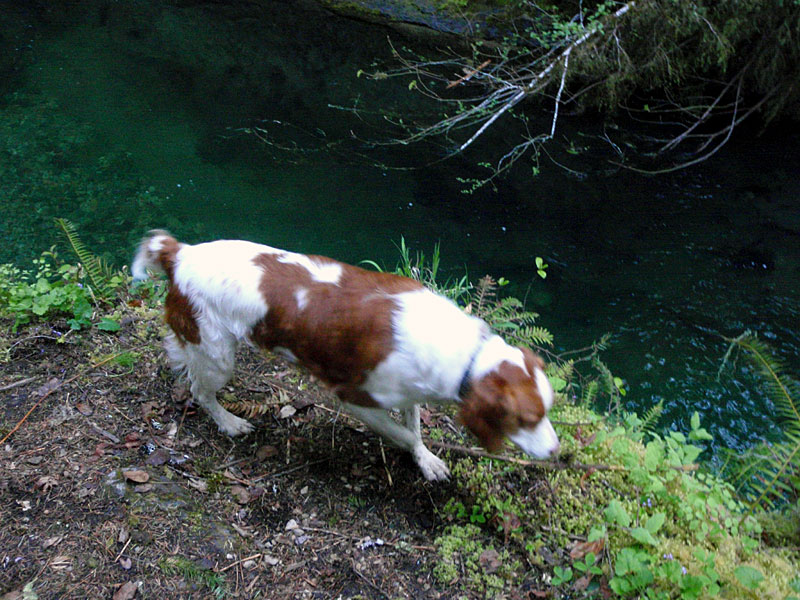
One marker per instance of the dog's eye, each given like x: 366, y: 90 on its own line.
x: 528, y: 421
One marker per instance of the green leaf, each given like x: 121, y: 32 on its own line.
x: 561, y: 575
x: 691, y: 454
x: 107, y: 324
x: 616, y: 513
x: 28, y: 593
x: 655, y: 522
x: 641, y: 535
x: 749, y: 577
x: 700, y: 434
x: 597, y: 533
x: 653, y: 455
x: 620, y: 586
x: 695, y: 423
x: 627, y: 562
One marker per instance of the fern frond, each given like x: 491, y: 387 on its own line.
x: 96, y: 268
x: 765, y: 475
x: 606, y: 378
x: 251, y: 408
x: 590, y: 393
x: 534, y: 336
x: 484, y: 293
x: 651, y: 417
x: 783, y: 390
x: 771, y: 474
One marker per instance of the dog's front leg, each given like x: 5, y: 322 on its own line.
x: 406, y: 438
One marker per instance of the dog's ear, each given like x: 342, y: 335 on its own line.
x: 485, y: 413
x: 503, y: 401
x: 532, y: 361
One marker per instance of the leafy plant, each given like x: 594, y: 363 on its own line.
x: 44, y: 291
x: 561, y: 575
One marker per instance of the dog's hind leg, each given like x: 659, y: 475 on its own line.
x: 406, y: 438
x: 209, y: 367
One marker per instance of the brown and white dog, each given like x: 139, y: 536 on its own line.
x: 380, y: 341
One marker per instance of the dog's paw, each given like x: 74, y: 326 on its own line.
x: 232, y: 425
x: 433, y: 468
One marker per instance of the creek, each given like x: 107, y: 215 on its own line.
x: 239, y: 121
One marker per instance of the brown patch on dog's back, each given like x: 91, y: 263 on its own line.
x: 344, y: 329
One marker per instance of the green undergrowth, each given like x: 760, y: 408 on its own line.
x: 53, y: 289
x: 630, y: 515
x: 628, y: 512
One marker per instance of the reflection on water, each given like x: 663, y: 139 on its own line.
x: 133, y: 118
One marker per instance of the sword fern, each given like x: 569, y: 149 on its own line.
x: 97, y: 270
x: 770, y: 472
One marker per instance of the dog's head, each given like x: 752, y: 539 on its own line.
x: 511, y: 400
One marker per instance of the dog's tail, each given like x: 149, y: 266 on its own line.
x: 156, y: 253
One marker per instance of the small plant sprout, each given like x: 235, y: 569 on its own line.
x: 541, y: 267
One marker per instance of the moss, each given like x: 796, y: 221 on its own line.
x: 782, y: 526
x: 533, y: 514
x: 461, y: 549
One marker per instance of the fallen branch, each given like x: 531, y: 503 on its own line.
x: 554, y: 465
x: 544, y: 464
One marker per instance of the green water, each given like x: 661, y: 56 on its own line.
x: 130, y: 117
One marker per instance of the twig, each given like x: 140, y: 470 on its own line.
x: 385, y: 466
x: 369, y: 583
x: 19, y: 383
x: 510, y: 104
x: 544, y: 464
x: 121, y: 552
x: 240, y: 561
x: 560, y: 91
x: 469, y: 75
x: 120, y: 413
x: 228, y: 475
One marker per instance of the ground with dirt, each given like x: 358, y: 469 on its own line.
x: 113, y: 487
